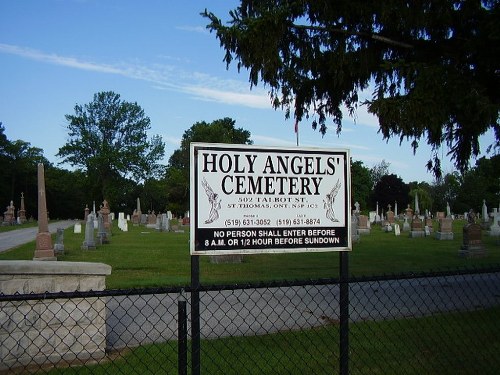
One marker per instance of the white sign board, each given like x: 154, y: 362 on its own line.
x: 256, y: 199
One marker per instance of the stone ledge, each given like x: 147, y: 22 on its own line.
x: 33, y: 267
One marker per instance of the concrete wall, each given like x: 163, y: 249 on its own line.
x: 48, y: 331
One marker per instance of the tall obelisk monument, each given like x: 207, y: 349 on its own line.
x: 44, y: 249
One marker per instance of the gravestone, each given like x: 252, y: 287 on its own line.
x: 472, y: 246
x: 372, y: 215
x: 136, y: 218
x: 363, y: 223
x: 144, y: 219
x: 354, y: 229
x: 86, y: 213
x: 94, y: 215
x: 77, y: 228
x: 406, y: 225
x: 409, y: 212
x: 485, y: 220
x: 104, y: 213
x: 165, y: 223
x: 8, y: 215
x: 448, y: 210
x: 22, y: 211
x: 158, y: 225
x: 102, y: 233
x: 495, y: 225
x: 429, y: 224
x: 59, y: 245
x: 89, y: 242
x: 121, y: 220
x: 397, y: 230
x: 417, y: 208
x: 445, y: 231
x: 44, y: 249
x: 417, y: 229
x: 390, y: 215
x: 440, y: 215
x: 151, y: 220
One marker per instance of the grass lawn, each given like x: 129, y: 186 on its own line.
x: 143, y: 257
x: 408, y: 346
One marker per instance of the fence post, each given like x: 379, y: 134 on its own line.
x: 182, y: 338
x: 344, y: 312
x: 195, y: 315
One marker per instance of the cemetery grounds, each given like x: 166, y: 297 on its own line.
x: 145, y: 258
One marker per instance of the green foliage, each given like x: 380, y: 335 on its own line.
x: 177, y: 177
x: 388, y: 190
x: 108, y: 139
x: 361, y: 184
x: 433, y: 64
x: 445, y: 191
x: 18, y: 166
x: 424, y: 198
x: 480, y: 183
x: 379, y: 170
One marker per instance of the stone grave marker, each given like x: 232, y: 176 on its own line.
x: 390, y: 215
x: 22, y: 211
x: 77, y: 228
x: 472, y: 246
x: 445, y: 231
x: 354, y: 228
x: 363, y: 224
x: 397, y: 230
x: 59, y: 245
x: 495, y: 225
x: 89, y: 242
x: 44, y: 249
x: 417, y: 229
x: 165, y: 223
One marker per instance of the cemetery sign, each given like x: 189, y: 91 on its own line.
x: 256, y: 199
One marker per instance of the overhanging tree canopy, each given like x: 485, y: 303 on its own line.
x: 433, y: 64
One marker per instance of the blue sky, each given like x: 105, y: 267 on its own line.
x: 55, y: 54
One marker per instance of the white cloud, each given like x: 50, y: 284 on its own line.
x: 200, y: 85
x: 229, y: 97
x: 196, y: 29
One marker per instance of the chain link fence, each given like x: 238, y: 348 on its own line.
x: 432, y: 323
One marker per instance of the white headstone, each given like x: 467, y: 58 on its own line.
x: 77, y: 228
x: 485, y: 212
x: 397, y: 230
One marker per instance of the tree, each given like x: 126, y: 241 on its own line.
x: 218, y: 131
x: 379, y: 170
x: 480, y: 183
x: 445, y: 190
x: 18, y: 165
x: 390, y: 189
x: 361, y: 184
x: 433, y: 64
x: 108, y: 139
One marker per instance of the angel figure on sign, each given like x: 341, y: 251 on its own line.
x: 330, y: 200
x: 214, y: 200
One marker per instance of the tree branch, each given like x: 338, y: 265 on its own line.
x: 362, y: 34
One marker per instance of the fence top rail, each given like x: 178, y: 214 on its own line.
x: 182, y: 289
